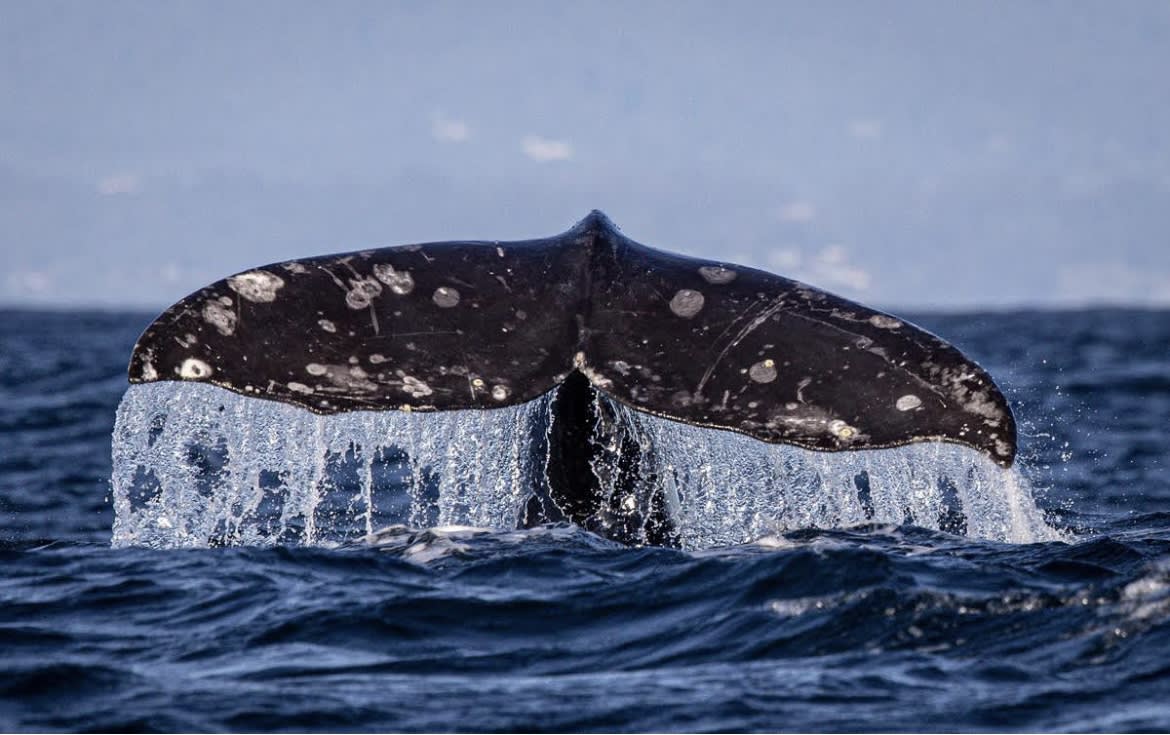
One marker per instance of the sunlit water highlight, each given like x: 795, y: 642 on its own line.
x: 197, y: 466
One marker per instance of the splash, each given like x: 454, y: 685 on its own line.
x: 198, y: 466
x: 195, y: 465
x: 726, y: 488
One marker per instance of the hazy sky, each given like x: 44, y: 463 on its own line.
x: 902, y: 153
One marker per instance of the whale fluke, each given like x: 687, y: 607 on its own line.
x: 479, y: 325
x: 482, y: 324
x: 589, y: 313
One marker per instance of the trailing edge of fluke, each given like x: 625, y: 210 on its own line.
x: 480, y: 325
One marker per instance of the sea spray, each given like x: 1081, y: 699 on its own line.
x: 730, y: 488
x: 197, y: 466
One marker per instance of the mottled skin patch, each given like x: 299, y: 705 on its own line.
x: 702, y: 342
x: 400, y: 282
x: 908, y: 402
x: 414, y: 387
x: 687, y: 303
x: 220, y: 317
x: 445, y: 297
x: 194, y: 369
x: 716, y: 274
x: 884, y: 322
x: 763, y: 371
x: 258, y: 286
x: 362, y: 291
x: 842, y: 430
x: 149, y: 373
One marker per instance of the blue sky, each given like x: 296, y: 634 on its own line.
x: 906, y: 154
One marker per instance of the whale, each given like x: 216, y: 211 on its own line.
x: 590, y: 321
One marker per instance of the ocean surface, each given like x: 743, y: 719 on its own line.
x: 872, y: 626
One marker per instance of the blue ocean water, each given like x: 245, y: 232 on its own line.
x: 872, y: 627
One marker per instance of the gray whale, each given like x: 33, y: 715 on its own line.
x: 595, y: 317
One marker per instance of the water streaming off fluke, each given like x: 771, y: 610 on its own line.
x: 197, y: 466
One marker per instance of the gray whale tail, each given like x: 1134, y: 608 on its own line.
x: 588, y: 313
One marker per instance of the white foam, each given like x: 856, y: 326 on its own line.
x: 196, y: 466
x: 732, y: 489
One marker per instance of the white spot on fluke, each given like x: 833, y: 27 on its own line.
x: 257, y: 286
x: 763, y: 371
x: 220, y: 317
x: 717, y: 274
x: 500, y: 392
x: 327, y: 325
x: 842, y: 430
x: 299, y: 388
x: 400, y: 282
x: 316, y: 369
x: 908, y: 402
x: 686, y: 303
x: 414, y: 387
x: 362, y: 292
x: 194, y: 369
x: 445, y: 297
x: 884, y: 322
